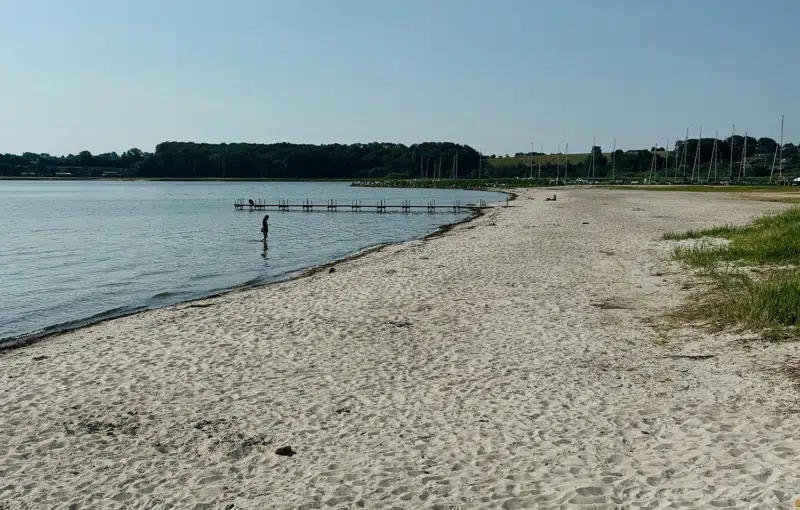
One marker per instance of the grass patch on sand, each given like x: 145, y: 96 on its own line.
x: 767, y: 305
x: 773, y: 239
x: 697, y: 234
x: 755, y: 276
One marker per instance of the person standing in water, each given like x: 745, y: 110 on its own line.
x: 265, y: 228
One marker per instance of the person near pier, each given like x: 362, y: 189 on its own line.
x: 265, y: 226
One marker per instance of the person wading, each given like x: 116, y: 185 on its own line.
x: 265, y: 229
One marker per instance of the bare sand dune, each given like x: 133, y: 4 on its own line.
x: 507, y: 364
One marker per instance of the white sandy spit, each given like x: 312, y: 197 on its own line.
x: 506, y: 364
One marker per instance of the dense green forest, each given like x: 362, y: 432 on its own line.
x: 175, y: 160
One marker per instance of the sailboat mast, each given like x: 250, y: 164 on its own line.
x: 697, y: 156
x: 652, y: 164
x: 558, y: 164
x: 774, y: 160
x: 541, y: 151
x: 614, y: 160
x: 744, y: 157
x: 730, y: 170
x: 713, y: 159
x: 683, y: 159
x: 530, y: 163
x: 716, y: 155
x: 780, y: 157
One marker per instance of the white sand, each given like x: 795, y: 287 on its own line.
x: 513, y: 386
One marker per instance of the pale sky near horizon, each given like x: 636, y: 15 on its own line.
x: 108, y: 75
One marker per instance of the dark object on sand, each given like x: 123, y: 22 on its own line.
x: 286, y: 451
x: 691, y: 356
x: 332, y: 270
x: 548, y: 199
x: 400, y: 323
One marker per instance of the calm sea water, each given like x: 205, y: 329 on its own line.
x: 75, y: 252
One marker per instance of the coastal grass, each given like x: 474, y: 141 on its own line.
x: 768, y: 305
x: 773, y: 239
x: 696, y: 234
x: 755, y: 276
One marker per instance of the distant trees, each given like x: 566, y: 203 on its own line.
x: 385, y: 159
x: 85, y: 158
x: 84, y: 164
x: 759, y: 153
x: 243, y: 160
x: 600, y: 160
x: 766, y: 145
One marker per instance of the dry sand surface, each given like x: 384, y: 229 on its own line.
x: 506, y: 364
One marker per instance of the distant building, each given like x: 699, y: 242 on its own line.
x: 63, y: 174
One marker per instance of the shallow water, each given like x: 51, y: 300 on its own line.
x: 77, y: 250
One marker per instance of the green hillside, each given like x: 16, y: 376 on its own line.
x: 546, y: 159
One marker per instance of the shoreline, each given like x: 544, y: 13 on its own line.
x: 509, y: 364
x: 28, y: 339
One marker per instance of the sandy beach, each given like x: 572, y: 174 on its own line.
x: 510, y: 363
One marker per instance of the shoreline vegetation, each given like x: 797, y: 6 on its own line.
x: 753, y: 272
x: 737, y: 158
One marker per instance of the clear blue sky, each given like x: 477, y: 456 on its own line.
x: 108, y: 75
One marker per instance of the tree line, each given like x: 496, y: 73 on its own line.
x: 699, y: 156
x: 442, y: 160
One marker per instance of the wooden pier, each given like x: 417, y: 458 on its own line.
x: 241, y: 204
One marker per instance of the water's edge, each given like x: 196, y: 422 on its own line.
x: 24, y: 340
